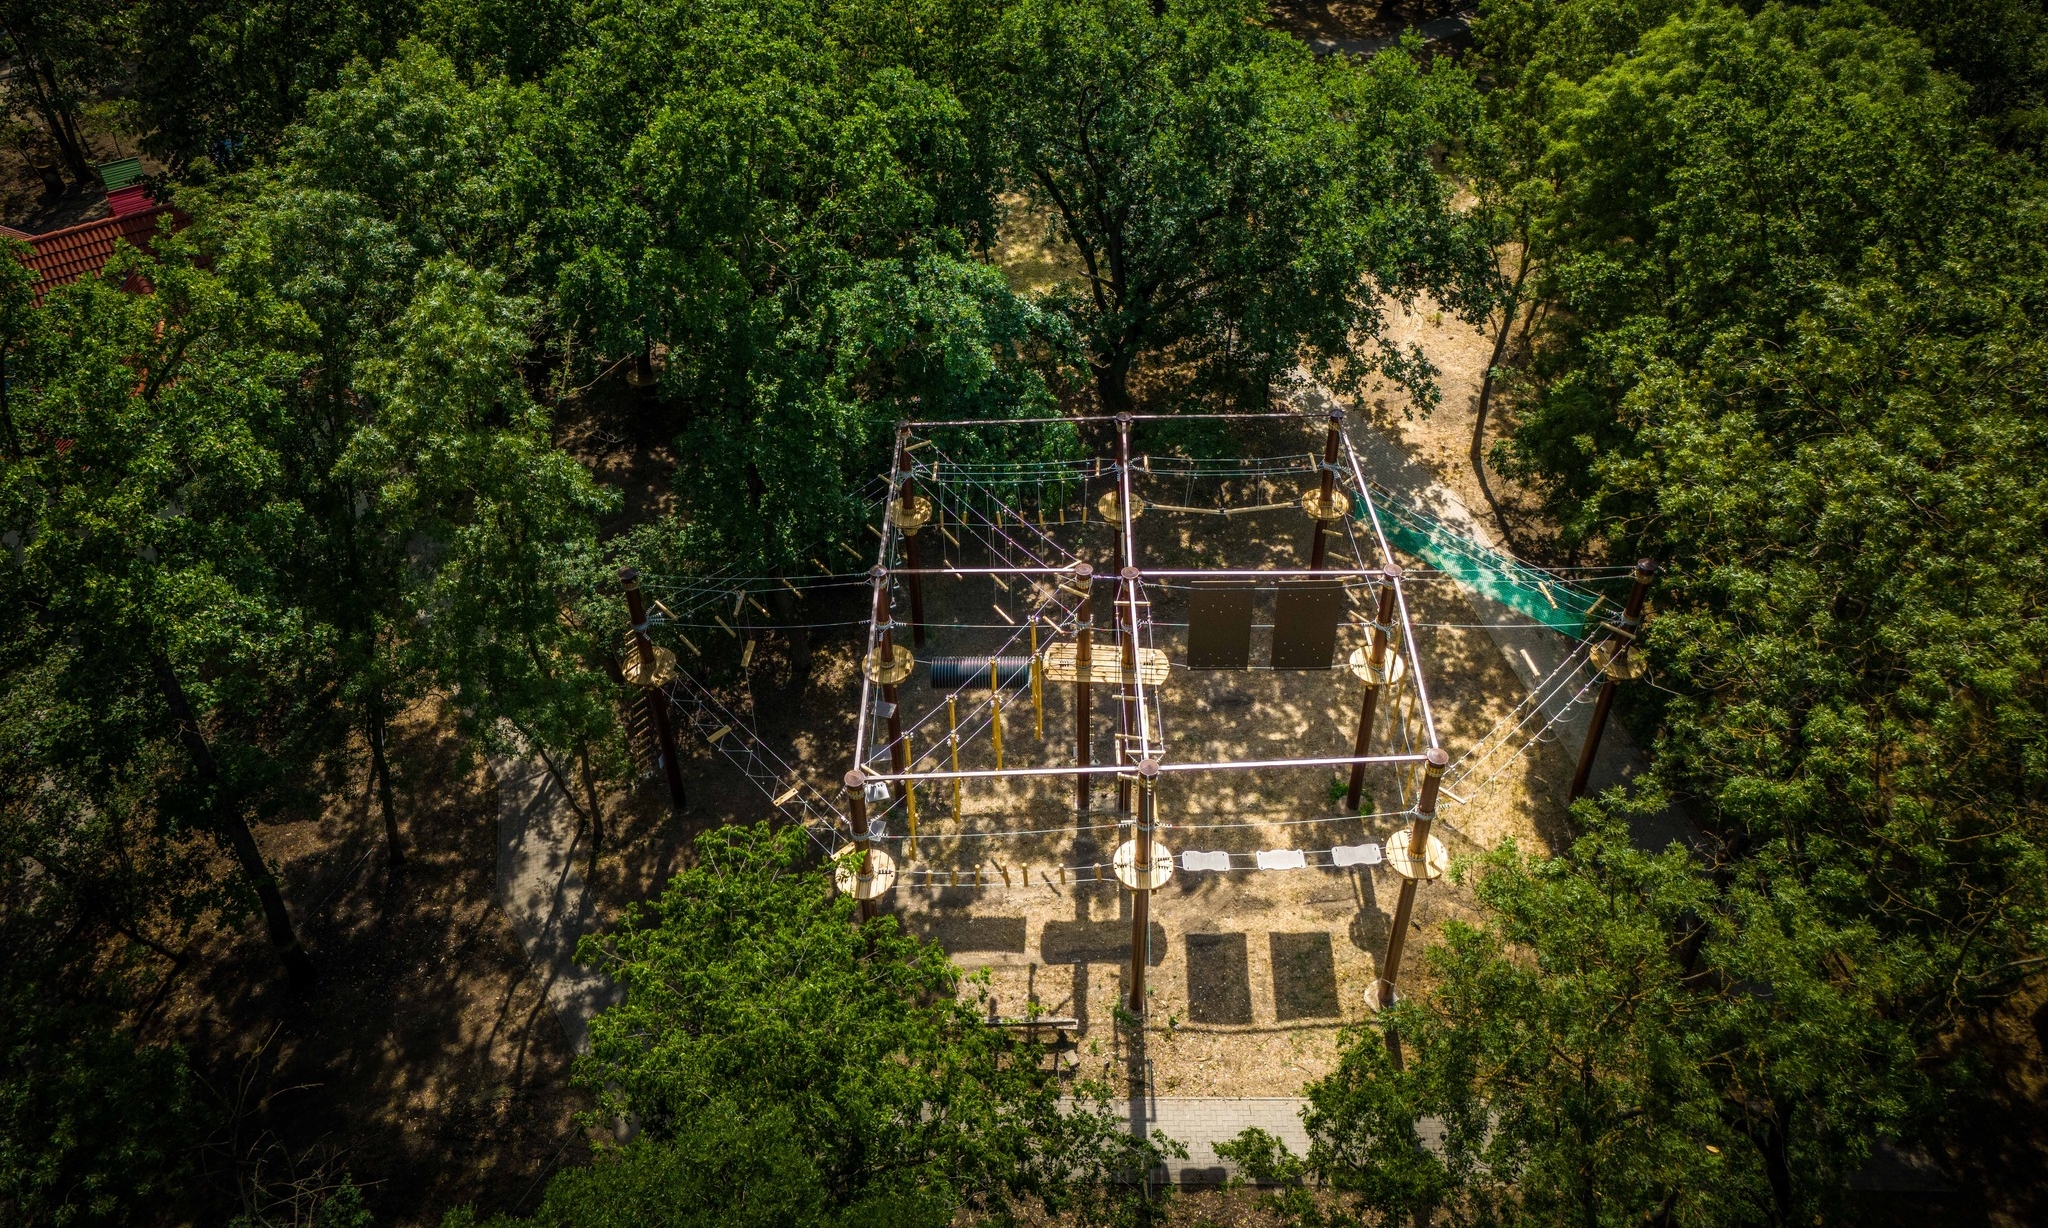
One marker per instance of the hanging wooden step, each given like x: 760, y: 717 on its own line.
x: 1104, y: 665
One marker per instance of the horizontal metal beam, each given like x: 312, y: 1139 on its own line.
x: 1106, y: 418
x: 1147, y: 573
x: 1110, y: 769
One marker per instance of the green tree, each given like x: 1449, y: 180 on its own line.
x: 1237, y: 205
x: 222, y: 81
x: 144, y: 494
x: 448, y: 542
x: 1791, y: 354
x: 64, y: 54
x: 1620, y: 1041
x: 788, y: 220
x: 786, y: 1065
x: 1795, y: 279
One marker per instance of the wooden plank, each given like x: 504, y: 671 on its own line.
x: 1103, y: 665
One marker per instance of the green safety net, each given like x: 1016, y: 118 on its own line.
x: 1542, y: 597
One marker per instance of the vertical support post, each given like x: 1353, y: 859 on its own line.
x: 1037, y: 681
x: 657, y: 698
x: 857, y: 816
x: 1318, y: 546
x: 906, y: 520
x: 995, y: 710
x: 898, y: 760
x: 1084, y: 664
x: 1141, y: 895
x: 1377, y: 661
x: 1631, y: 619
x: 910, y: 807
x: 953, y: 744
x: 1127, y: 640
x: 1404, y: 909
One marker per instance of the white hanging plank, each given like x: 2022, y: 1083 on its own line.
x: 1355, y: 855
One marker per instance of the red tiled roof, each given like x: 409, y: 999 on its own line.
x: 131, y: 199
x: 64, y: 256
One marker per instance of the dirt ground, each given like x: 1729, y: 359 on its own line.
x: 427, y: 1065
x: 1252, y: 973
x: 1311, y: 19
x: 26, y: 202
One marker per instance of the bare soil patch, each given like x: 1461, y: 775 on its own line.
x: 1252, y: 974
x: 427, y: 1064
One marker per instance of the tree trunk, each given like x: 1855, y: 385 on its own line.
x: 1769, y: 1137
x: 235, y: 829
x: 8, y: 438
x: 58, y: 120
x: 1113, y: 383
x: 380, y: 771
x: 595, y: 804
x: 791, y: 612
x: 1500, y: 346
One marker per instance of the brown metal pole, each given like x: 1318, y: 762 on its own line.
x: 1141, y: 897
x: 1127, y: 643
x: 899, y: 758
x: 1404, y: 909
x: 857, y: 816
x: 657, y: 698
x: 907, y: 505
x: 1084, y: 662
x: 1631, y: 619
x: 1363, y: 744
x: 1316, y: 548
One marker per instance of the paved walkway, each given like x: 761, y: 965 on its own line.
x: 541, y: 890
x: 1201, y: 1122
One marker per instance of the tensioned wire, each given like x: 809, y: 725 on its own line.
x: 716, y: 588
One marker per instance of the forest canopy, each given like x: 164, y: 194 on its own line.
x: 1762, y: 283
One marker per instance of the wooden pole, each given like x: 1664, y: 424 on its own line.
x: 1380, y: 629
x: 1631, y: 620
x: 1318, y: 545
x: 1404, y: 909
x: 657, y: 697
x: 1084, y: 661
x: 1141, y: 896
x: 909, y: 808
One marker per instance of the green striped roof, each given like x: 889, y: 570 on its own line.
x: 118, y: 175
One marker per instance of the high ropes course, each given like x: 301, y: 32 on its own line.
x: 951, y: 518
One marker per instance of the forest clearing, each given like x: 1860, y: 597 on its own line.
x: 808, y: 612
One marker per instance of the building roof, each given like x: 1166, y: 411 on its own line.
x: 132, y: 199
x: 118, y: 175
x: 64, y: 256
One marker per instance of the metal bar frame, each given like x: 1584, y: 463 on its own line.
x: 1133, y: 622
